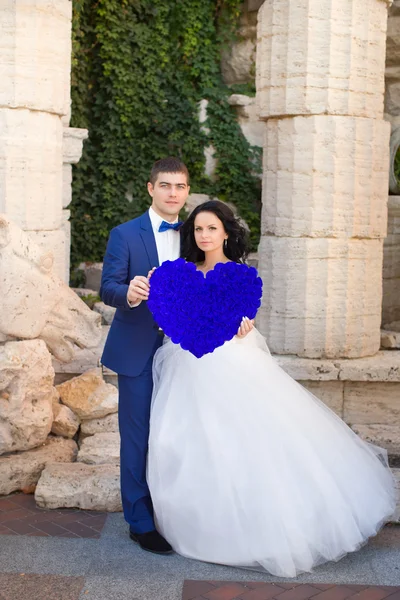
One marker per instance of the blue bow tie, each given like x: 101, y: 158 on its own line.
x: 165, y: 226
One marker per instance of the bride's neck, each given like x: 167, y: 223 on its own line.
x: 213, y: 258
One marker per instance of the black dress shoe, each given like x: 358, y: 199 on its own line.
x: 151, y: 541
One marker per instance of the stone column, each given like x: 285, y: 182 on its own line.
x: 35, y: 58
x: 320, y: 86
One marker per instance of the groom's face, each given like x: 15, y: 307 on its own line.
x: 169, y: 194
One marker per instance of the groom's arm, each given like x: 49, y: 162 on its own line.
x: 114, y: 280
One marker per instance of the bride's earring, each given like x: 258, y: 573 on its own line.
x: 225, y: 244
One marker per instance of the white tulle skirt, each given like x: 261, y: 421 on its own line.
x: 247, y: 468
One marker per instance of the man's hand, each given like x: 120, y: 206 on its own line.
x: 245, y: 327
x: 138, y: 289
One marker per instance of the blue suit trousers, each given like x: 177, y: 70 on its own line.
x: 134, y: 415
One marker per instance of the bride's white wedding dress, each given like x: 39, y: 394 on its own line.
x: 247, y: 468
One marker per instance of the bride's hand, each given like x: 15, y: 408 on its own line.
x: 245, y: 327
x: 150, y: 273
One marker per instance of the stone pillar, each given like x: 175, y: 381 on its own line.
x: 320, y: 86
x: 35, y: 54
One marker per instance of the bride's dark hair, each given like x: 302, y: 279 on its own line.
x: 236, y: 247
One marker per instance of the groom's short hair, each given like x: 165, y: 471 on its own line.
x: 171, y: 164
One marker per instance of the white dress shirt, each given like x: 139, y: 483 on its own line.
x: 168, y: 243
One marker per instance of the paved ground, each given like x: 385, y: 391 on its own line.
x: 78, y: 555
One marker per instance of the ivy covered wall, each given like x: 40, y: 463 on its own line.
x: 140, y: 68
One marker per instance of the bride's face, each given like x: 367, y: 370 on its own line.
x: 209, y: 232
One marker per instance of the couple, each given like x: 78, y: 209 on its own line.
x: 236, y: 463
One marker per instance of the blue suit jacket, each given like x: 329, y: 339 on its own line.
x: 131, y: 250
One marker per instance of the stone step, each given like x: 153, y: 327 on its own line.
x: 77, y: 485
x: 97, y: 487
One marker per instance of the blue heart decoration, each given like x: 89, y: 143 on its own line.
x: 201, y: 312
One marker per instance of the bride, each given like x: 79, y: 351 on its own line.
x: 245, y: 466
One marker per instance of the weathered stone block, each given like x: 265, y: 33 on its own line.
x: 390, y: 339
x: 26, y: 395
x: 325, y: 176
x: 313, y: 60
x: 73, y: 139
x: 238, y: 62
x: 248, y: 118
x: 108, y: 424
x: 85, y: 359
x: 22, y: 470
x: 381, y: 368
x: 35, y: 47
x: 66, y: 185
x: 371, y: 403
x: 31, y: 168
x: 99, y: 449
x: 92, y: 272
x: 35, y: 303
x: 57, y: 243
x: 65, y: 422
x: 330, y: 392
x: 385, y: 436
x: 107, y: 312
x: 322, y: 297
x: 89, y: 487
x: 88, y: 396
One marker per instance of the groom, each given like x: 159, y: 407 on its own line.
x: 134, y: 248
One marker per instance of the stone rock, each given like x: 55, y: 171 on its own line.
x: 371, y: 403
x: 77, y: 485
x: 304, y: 369
x: 85, y: 359
x: 34, y: 303
x: 26, y: 395
x: 88, y: 396
x: 382, y: 367
x: 21, y: 471
x: 254, y: 5
x: 92, y: 272
x: 393, y: 326
x: 248, y: 117
x: 209, y: 151
x: 58, y: 244
x: 73, y: 139
x: 66, y: 185
x: 107, y: 312
x: 99, y: 449
x: 385, y: 436
x: 195, y: 200
x: 238, y: 63
x: 390, y: 339
x: 108, y: 424
x: 330, y: 393
x: 65, y: 422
